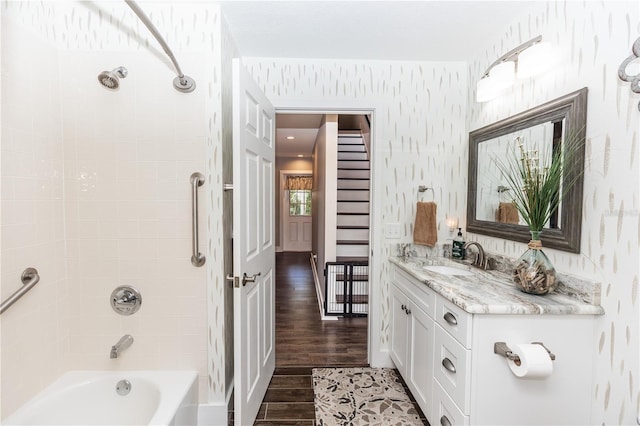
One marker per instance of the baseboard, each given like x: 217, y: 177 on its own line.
x: 381, y: 359
x: 316, y: 281
x: 212, y: 414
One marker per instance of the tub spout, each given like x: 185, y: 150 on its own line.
x: 124, y: 342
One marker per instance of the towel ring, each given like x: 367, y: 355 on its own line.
x: 423, y: 188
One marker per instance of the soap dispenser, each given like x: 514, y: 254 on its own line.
x: 457, y: 250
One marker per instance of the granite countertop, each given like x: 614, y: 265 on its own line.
x: 493, y: 292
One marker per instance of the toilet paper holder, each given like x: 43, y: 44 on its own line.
x: 501, y: 348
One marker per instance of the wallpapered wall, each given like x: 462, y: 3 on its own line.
x: 592, y: 38
x: 126, y: 158
x: 420, y: 138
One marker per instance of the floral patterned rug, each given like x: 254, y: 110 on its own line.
x: 361, y: 396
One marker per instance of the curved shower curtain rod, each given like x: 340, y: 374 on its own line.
x: 182, y: 82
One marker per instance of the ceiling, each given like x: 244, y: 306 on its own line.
x: 423, y: 30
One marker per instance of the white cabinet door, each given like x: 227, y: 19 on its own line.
x: 420, y: 360
x: 399, y: 330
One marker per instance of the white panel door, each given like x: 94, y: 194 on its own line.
x: 253, y: 248
x: 296, y: 229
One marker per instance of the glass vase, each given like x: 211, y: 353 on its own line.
x: 534, y: 273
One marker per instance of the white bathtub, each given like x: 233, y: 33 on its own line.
x: 90, y: 398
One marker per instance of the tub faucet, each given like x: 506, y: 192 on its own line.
x: 124, y: 342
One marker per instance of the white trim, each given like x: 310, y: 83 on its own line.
x: 378, y: 356
x: 216, y: 414
x: 319, y: 297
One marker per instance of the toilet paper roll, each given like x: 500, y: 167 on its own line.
x: 535, y: 362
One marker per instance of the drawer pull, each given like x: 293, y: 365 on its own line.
x: 450, y: 318
x: 444, y: 421
x: 446, y: 363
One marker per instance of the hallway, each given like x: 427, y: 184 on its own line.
x: 302, y: 338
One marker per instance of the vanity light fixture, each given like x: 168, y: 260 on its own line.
x: 526, y: 60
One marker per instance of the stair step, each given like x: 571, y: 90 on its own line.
x: 350, y: 147
x: 353, y: 184
x: 352, y: 220
x: 356, y: 194
x: 349, y: 259
x: 345, y: 233
x: 352, y: 242
x: 353, y: 164
x: 355, y: 156
x: 352, y: 250
x: 353, y: 207
x: 350, y: 139
x: 354, y: 174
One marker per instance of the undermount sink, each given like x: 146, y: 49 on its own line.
x: 448, y: 270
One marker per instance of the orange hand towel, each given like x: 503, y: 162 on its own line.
x: 507, y: 213
x: 424, y: 230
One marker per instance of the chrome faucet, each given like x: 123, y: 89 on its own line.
x: 480, y: 260
x: 124, y: 342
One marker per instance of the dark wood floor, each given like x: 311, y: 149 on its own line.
x: 302, y: 338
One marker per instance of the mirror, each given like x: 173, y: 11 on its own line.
x: 549, y: 123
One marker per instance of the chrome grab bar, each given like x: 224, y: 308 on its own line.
x: 29, y: 279
x: 197, y: 258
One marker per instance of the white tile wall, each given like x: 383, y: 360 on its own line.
x: 32, y: 232
x: 121, y: 203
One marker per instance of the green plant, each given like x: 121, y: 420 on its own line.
x: 538, y: 181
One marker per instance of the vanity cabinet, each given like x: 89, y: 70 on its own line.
x: 446, y: 356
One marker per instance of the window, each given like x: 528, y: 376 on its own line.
x: 299, y: 194
x: 299, y: 202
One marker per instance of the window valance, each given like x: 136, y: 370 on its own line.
x: 299, y: 182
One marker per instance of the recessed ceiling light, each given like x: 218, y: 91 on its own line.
x: 291, y: 137
x: 300, y: 155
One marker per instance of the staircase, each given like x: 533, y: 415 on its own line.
x: 347, y: 279
x: 352, y: 233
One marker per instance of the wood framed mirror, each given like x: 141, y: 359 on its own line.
x: 550, y: 123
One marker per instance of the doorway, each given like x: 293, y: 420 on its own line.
x: 298, y: 134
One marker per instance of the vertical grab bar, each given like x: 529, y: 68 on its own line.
x: 29, y: 279
x: 197, y: 258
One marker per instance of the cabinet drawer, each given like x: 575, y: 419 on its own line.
x: 456, y: 321
x: 445, y: 411
x: 452, y: 368
x: 417, y: 292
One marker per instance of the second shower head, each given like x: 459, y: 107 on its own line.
x: 111, y: 79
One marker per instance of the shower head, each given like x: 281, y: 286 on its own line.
x: 111, y: 79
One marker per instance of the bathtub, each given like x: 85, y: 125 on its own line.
x: 91, y: 398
